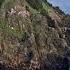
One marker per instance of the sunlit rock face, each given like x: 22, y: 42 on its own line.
x: 34, y: 35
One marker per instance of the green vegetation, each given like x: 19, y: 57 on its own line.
x: 36, y: 4
x: 38, y: 7
x: 5, y: 28
x: 1, y: 1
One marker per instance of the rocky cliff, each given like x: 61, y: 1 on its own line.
x: 33, y: 36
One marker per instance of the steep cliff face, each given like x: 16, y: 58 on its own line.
x: 33, y: 36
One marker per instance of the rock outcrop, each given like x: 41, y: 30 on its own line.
x: 33, y: 36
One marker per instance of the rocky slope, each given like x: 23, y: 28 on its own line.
x: 33, y: 36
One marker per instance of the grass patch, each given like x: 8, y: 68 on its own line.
x: 4, y: 27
